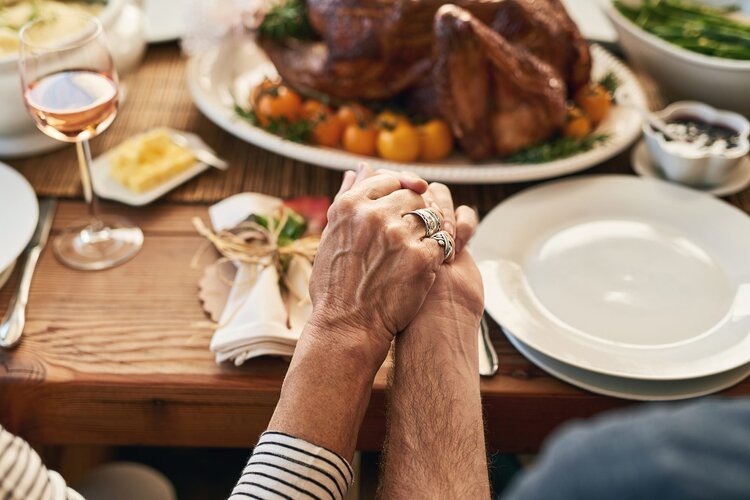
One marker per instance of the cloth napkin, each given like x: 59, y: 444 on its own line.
x: 259, y: 318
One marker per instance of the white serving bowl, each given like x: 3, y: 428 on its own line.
x: 123, y: 22
x: 683, y: 74
x: 695, y: 167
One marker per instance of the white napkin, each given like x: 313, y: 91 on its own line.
x: 259, y: 319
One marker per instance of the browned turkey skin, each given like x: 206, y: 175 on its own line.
x: 496, y: 70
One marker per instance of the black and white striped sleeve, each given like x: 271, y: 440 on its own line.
x: 286, y: 467
x: 23, y: 476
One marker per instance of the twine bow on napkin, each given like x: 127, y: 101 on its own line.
x: 261, y: 316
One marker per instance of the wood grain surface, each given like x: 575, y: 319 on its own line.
x: 121, y: 357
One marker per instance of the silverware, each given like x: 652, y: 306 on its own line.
x: 200, y: 153
x: 488, y: 362
x: 12, y: 324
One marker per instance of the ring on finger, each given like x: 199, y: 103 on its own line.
x: 446, y: 242
x: 430, y: 218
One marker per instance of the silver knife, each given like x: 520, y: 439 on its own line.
x: 488, y: 362
x: 200, y: 153
x: 12, y: 324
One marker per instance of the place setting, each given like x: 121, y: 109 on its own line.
x: 168, y: 171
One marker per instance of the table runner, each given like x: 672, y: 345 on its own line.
x: 157, y: 95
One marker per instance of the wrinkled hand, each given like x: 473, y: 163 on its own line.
x: 457, y: 295
x: 373, y: 269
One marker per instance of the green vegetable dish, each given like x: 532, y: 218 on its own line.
x: 714, y: 31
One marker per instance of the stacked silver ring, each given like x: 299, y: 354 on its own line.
x: 430, y: 218
x: 445, y: 240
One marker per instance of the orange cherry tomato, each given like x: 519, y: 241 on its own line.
x: 313, y: 110
x: 327, y: 127
x: 595, y: 100
x: 279, y: 103
x: 399, y: 144
x: 435, y: 140
x: 578, y: 125
x: 354, y: 114
x: 360, y: 139
x: 389, y: 120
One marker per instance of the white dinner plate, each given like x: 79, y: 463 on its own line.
x: 621, y: 275
x: 19, y: 211
x: 106, y: 187
x: 645, y: 166
x: 226, y: 73
x: 626, y: 388
x: 165, y: 19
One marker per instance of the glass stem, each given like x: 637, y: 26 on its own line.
x: 84, y: 165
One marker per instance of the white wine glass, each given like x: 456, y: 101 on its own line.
x: 71, y: 90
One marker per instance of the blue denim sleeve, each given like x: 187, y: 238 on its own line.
x: 698, y: 450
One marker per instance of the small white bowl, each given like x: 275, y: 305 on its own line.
x: 681, y: 73
x: 695, y: 167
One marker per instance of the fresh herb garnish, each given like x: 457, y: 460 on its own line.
x: 556, y: 149
x: 298, y: 131
x: 610, y: 82
x: 294, y: 226
x: 287, y: 19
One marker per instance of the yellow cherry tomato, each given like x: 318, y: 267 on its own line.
x: 327, y: 127
x: 279, y: 102
x: 595, y: 100
x: 389, y: 120
x: 578, y: 124
x: 399, y: 144
x: 360, y: 139
x: 354, y: 114
x: 435, y: 140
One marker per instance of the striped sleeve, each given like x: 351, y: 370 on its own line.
x: 285, y: 467
x: 23, y: 476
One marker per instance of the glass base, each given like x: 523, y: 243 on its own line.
x: 99, y: 244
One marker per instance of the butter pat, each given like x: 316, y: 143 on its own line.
x: 144, y: 162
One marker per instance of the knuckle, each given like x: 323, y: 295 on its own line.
x: 346, y: 204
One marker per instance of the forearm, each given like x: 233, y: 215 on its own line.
x: 435, y: 445
x: 327, y: 389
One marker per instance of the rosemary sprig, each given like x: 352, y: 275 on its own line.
x: 285, y: 20
x: 557, y: 148
x: 298, y: 131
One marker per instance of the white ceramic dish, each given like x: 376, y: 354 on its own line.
x: 683, y: 74
x: 19, y: 212
x: 123, y: 23
x: 625, y: 388
x: 106, y: 187
x: 696, y: 167
x: 645, y: 166
x: 166, y: 20
x: 232, y: 69
x: 621, y: 275
x: 591, y: 20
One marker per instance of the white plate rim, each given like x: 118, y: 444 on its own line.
x: 106, y: 187
x: 23, y: 186
x: 495, y: 309
x: 572, y: 375
x: 489, y: 173
x: 644, y: 166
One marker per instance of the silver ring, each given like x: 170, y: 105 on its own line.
x: 430, y: 218
x: 445, y: 240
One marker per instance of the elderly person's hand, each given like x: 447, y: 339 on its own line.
x: 374, y: 267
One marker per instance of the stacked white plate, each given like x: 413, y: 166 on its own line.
x: 19, y: 212
x: 625, y: 286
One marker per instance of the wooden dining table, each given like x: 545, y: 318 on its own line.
x: 121, y: 357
